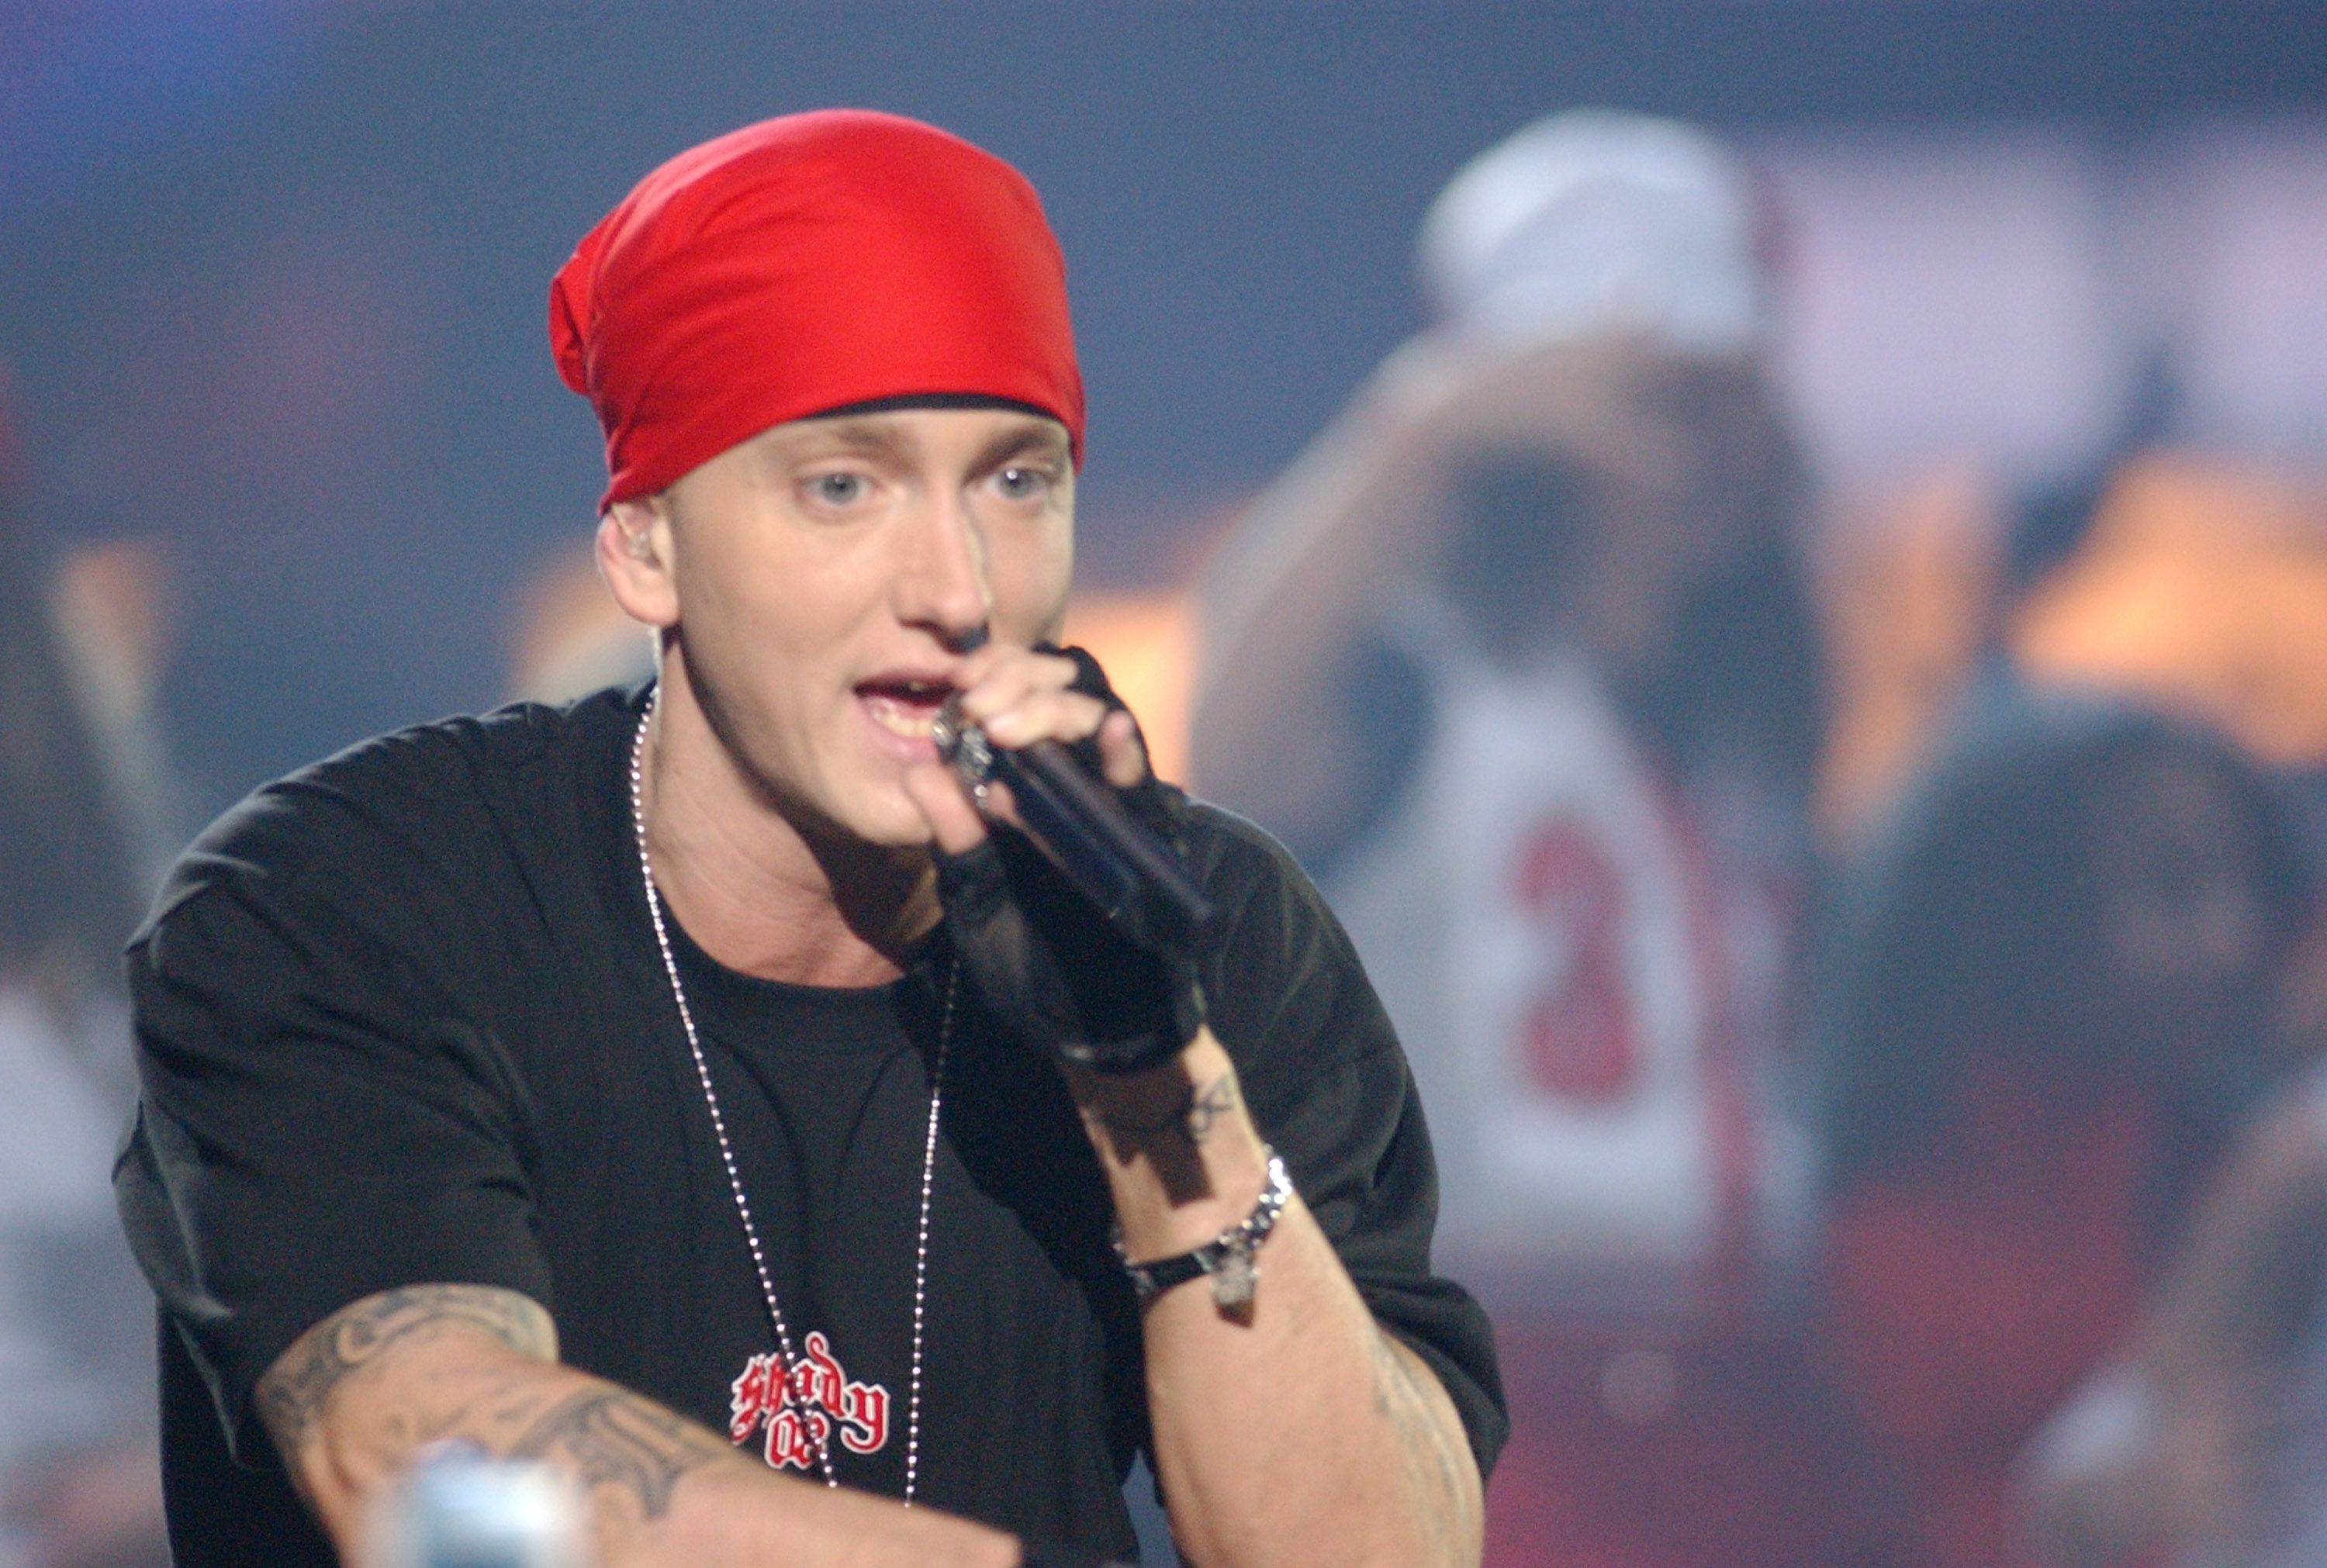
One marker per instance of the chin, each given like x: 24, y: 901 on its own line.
x: 885, y: 819
x: 915, y: 835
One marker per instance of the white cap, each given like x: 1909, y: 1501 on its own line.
x: 1598, y: 222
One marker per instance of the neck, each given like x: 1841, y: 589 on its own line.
x: 763, y: 893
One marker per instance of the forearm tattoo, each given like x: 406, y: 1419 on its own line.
x: 292, y: 1394
x: 607, y: 1437
x: 602, y: 1435
x: 1193, y: 1114
x: 1435, y: 1460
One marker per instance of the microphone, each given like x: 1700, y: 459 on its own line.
x: 1128, y: 871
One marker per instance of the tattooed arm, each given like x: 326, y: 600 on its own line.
x: 1288, y: 1430
x: 1297, y: 1432
x: 356, y: 1395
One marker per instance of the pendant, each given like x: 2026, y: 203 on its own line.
x: 1233, y: 1279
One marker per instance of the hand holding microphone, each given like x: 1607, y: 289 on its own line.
x: 1079, y: 923
x: 1131, y: 872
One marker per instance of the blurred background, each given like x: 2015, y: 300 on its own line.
x: 1791, y: 617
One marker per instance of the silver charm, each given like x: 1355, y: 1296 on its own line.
x: 1235, y: 1280
x: 1232, y: 1259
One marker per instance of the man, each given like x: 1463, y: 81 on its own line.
x: 77, y: 1461
x: 2049, y: 1008
x: 2204, y: 1437
x: 1519, y: 657
x: 580, y: 1082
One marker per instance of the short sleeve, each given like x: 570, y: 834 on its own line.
x: 318, y: 1121
x: 1329, y: 1089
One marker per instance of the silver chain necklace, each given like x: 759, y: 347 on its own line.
x: 734, y: 1177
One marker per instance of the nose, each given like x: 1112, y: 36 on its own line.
x: 941, y: 581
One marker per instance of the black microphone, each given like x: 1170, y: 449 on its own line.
x: 1128, y: 871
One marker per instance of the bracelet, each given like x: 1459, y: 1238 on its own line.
x: 1231, y: 1259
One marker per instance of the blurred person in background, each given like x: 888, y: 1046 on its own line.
x: 2200, y: 582
x: 80, y: 1482
x: 1519, y: 660
x: 2064, y: 979
x: 2203, y: 1439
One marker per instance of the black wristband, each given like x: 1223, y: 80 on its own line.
x: 1231, y: 1258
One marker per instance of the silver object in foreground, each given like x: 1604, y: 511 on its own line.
x: 459, y: 1507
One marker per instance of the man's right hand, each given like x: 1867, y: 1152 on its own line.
x: 356, y: 1397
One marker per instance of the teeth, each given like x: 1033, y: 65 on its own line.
x: 895, y: 717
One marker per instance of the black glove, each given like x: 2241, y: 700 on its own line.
x: 1161, y: 809
x: 1067, y: 981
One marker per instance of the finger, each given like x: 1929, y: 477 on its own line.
x: 1007, y: 678
x: 1122, y: 754
x: 1045, y: 715
x: 953, y: 820
x: 1000, y: 804
x: 976, y: 665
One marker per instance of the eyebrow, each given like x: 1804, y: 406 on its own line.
x: 865, y: 434
x: 1037, y: 437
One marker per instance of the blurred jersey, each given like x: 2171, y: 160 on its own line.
x: 1587, y: 963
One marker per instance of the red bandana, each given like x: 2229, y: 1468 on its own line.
x: 805, y: 264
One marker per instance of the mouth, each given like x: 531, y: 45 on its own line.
x: 904, y: 707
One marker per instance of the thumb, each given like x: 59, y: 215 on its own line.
x: 953, y: 821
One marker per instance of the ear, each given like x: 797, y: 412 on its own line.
x: 635, y: 558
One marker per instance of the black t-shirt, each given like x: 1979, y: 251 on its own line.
x: 401, y: 1019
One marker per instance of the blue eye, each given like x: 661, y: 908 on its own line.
x: 1021, y: 484
x: 838, y: 490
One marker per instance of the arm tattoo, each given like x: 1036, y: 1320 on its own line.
x: 599, y: 1434
x: 1433, y: 1468
x: 292, y: 1393
x: 1193, y: 1114
x: 609, y: 1438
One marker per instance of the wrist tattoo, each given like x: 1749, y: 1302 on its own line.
x: 1192, y: 1115
x: 1207, y: 1105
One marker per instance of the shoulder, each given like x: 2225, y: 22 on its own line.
x: 1284, y: 980
x: 1233, y: 854
x: 1225, y: 847
x: 433, y: 795
x: 1257, y: 884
